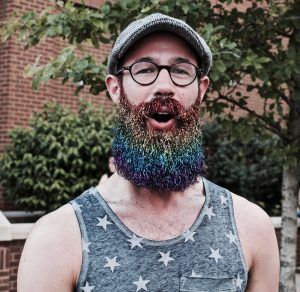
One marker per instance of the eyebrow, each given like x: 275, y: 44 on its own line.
x: 180, y: 59
x: 145, y: 59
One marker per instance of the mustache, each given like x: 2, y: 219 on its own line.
x: 137, y: 114
x: 160, y: 105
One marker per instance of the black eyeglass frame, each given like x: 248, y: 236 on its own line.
x: 199, y: 71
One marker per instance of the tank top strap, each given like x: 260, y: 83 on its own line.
x: 221, y: 205
x: 88, y: 211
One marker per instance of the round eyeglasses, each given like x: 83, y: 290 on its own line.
x: 145, y: 73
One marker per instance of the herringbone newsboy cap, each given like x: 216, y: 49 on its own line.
x: 158, y: 22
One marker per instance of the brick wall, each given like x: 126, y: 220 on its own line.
x: 17, y: 100
x: 10, y: 252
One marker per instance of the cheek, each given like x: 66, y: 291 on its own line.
x: 189, y: 97
x: 135, y: 95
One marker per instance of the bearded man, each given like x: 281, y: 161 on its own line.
x: 156, y: 224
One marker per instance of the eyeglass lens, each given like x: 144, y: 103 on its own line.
x: 146, y: 72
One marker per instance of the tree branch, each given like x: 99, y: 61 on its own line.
x: 287, y: 100
x: 272, y: 127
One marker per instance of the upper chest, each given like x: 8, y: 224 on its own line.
x: 159, y: 224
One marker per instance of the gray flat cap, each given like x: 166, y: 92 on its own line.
x: 158, y: 22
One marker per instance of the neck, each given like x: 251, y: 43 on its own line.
x: 125, y: 191
x: 155, y: 215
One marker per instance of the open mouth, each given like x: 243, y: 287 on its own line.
x: 162, y: 117
x: 161, y: 121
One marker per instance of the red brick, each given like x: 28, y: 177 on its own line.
x: 15, y: 249
x: 4, y: 273
x: 13, y: 278
x: 4, y: 258
x: 4, y: 287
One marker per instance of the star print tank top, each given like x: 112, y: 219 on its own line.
x: 207, y: 257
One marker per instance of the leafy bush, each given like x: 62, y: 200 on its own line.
x: 59, y: 156
x: 248, y: 168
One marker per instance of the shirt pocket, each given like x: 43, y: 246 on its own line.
x: 190, y: 284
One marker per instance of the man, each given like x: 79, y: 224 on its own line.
x: 156, y: 224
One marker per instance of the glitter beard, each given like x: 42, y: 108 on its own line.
x: 158, y: 160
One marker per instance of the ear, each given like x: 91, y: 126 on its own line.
x: 113, y: 87
x: 203, y: 85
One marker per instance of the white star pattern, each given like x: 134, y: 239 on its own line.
x: 135, y: 241
x: 94, y: 192
x: 194, y: 275
x: 87, y: 287
x: 103, y: 222
x: 209, y: 212
x: 141, y: 284
x: 111, y: 263
x: 189, y: 235
x: 215, y: 253
x: 223, y: 200
x: 76, y: 206
x: 232, y: 238
x: 85, y: 246
x: 238, y: 282
x: 165, y: 258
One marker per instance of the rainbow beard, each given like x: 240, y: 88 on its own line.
x: 158, y: 160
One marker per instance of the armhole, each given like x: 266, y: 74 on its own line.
x: 234, y: 227
x: 85, y: 256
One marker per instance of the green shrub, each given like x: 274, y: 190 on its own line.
x: 247, y: 168
x: 57, y: 157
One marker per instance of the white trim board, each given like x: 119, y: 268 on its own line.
x: 13, y: 231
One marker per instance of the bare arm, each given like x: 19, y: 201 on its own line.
x: 264, y: 272
x: 259, y: 245
x: 51, y: 257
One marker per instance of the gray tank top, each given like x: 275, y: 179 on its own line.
x: 207, y: 257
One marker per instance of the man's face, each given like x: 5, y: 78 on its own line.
x: 162, y: 49
x: 158, y: 138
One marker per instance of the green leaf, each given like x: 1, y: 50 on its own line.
x: 60, y: 3
x: 105, y: 9
x: 185, y: 8
x: 146, y: 9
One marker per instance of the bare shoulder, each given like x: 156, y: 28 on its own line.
x: 259, y: 243
x: 53, y: 244
x: 251, y: 216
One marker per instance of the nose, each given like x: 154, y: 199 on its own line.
x: 163, y: 85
